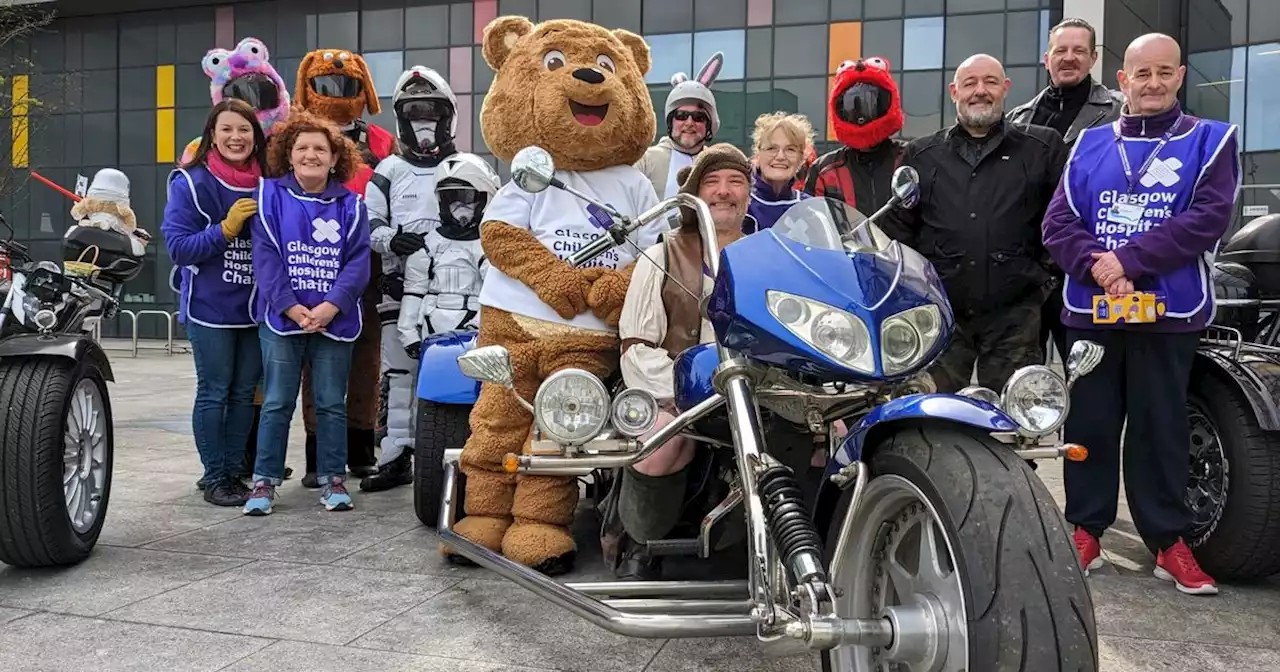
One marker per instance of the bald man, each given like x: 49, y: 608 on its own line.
x: 985, y: 185
x: 1142, y: 205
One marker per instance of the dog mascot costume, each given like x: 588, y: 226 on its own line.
x: 577, y: 90
x: 403, y: 210
x: 866, y: 110
x: 244, y: 73
x: 335, y: 85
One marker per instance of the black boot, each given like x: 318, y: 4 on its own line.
x: 360, y: 458
x: 310, y: 480
x: 230, y: 492
x: 395, y: 473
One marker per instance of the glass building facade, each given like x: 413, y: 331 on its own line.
x: 119, y: 82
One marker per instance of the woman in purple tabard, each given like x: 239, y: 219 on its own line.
x: 311, y: 259
x: 210, y: 201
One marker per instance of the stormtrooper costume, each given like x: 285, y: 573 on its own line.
x: 442, y: 281
x: 402, y: 211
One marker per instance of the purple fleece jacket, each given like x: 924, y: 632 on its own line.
x: 273, y: 282
x: 1162, y: 249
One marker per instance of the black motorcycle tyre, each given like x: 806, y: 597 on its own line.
x: 1028, y: 605
x: 35, y: 529
x: 1243, y: 543
x: 440, y: 427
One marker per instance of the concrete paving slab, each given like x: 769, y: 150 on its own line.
x: 498, y: 622
x: 7, y: 614
x: 1129, y: 654
x: 311, y: 603
x: 413, y: 552
x: 285, y: 656
x: 61, y: 643
x: 109, y: 579
x: 132, y: 524
x: 1153, y: 609
x: 299, y: 531
x: 727, y: 655
x: 145, y: 487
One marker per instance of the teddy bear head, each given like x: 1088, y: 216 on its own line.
x: 575, y: 89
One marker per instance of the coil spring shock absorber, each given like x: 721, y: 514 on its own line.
x: 790, y: 524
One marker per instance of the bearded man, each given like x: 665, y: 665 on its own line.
x: 985, y: 185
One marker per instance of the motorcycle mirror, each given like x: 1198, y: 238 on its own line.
x: 532, y: 169
x: 489, y: 364
x: 906, y: 186
x: 1084, y: 357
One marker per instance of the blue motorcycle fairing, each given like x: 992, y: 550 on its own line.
x: 952, y: 407
x: 693, y: 371
x: 872, y: 286
x: 439, y: 378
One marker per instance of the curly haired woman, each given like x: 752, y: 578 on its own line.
x: 311, y: 260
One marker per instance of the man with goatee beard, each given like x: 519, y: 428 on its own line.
x: 984, y: 185
x: 1072, y: 102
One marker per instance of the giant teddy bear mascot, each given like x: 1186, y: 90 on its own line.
x: 244, y: 73
x: 336, y: 85
x: 577, y: 90
x: 866, y: 111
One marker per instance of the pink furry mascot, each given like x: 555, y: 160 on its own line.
x: 246, y: 74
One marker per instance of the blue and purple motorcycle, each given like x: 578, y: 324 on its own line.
x: 929, y: 543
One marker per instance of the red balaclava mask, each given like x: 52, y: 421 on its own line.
x: 865, y: 106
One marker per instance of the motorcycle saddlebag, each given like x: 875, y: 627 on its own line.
x: 1257, y: 246
x: 110, y: 251
x: 1235, y: 282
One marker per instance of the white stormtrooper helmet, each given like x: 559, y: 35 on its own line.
x: 426, y: 112
x: 465, y: 183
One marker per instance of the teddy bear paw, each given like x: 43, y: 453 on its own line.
x: 549, y: 549
x: 484, y: 530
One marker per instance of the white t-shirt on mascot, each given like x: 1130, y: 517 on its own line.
x: 560, y: 221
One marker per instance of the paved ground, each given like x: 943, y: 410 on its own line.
x: 179, y: 585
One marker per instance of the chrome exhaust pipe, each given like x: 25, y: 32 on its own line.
x: 648, y: 626
x: 581, y: 466
x: 673, y: 589
x: 643, y: 606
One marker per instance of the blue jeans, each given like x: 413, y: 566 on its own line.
x: 228, y: 367
x: 282, y: 360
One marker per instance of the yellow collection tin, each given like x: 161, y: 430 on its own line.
x: 1135, y: 308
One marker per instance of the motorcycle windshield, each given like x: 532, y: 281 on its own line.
x: 829, y: 224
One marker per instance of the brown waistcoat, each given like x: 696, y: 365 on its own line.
x: 683, y: 251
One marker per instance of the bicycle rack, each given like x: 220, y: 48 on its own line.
x: 133, y: 329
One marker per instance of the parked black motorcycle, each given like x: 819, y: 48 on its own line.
x: 56, y: 436
x: 1233, y: 487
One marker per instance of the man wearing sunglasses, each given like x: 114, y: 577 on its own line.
x: 692, y: 121
x: 403, y: 209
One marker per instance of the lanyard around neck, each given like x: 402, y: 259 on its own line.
x: 1124, y: 158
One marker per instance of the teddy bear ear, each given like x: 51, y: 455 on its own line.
x: 682, y: 175
x: 639, y: 49
x: 500, y: 38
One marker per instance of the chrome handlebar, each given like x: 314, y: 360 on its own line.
x: 616, y: 235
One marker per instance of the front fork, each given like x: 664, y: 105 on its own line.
x: 781, y: 536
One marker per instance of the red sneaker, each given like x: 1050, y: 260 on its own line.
x: 1178, y: 565
x: 1089, y: 550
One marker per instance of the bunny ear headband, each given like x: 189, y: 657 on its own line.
x: 707, y: 75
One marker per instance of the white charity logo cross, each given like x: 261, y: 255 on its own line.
x: 325, y: 230
x: 1162, y: 172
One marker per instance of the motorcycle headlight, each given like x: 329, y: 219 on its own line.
x: 635, y: 412
x: 907, y: 336
x: 571, y: 407
x: 838, y: 334
x: 1036, y: 398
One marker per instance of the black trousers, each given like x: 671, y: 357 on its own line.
x: 1051, y: 323
x: 1143, y: 376
x: 999, y: 342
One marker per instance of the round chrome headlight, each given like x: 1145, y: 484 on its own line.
x: 571, y: 407
x: 1036, y: 398
x: 635, y: 412
x: 45, y: 318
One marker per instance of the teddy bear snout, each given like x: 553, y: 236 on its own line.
x: 588, y: 75
x: 338, y: 64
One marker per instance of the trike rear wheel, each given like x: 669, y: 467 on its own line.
x: 960, y: 542
x: 1233, y: 488
x: 440, y: 427
x: 56, y: 452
